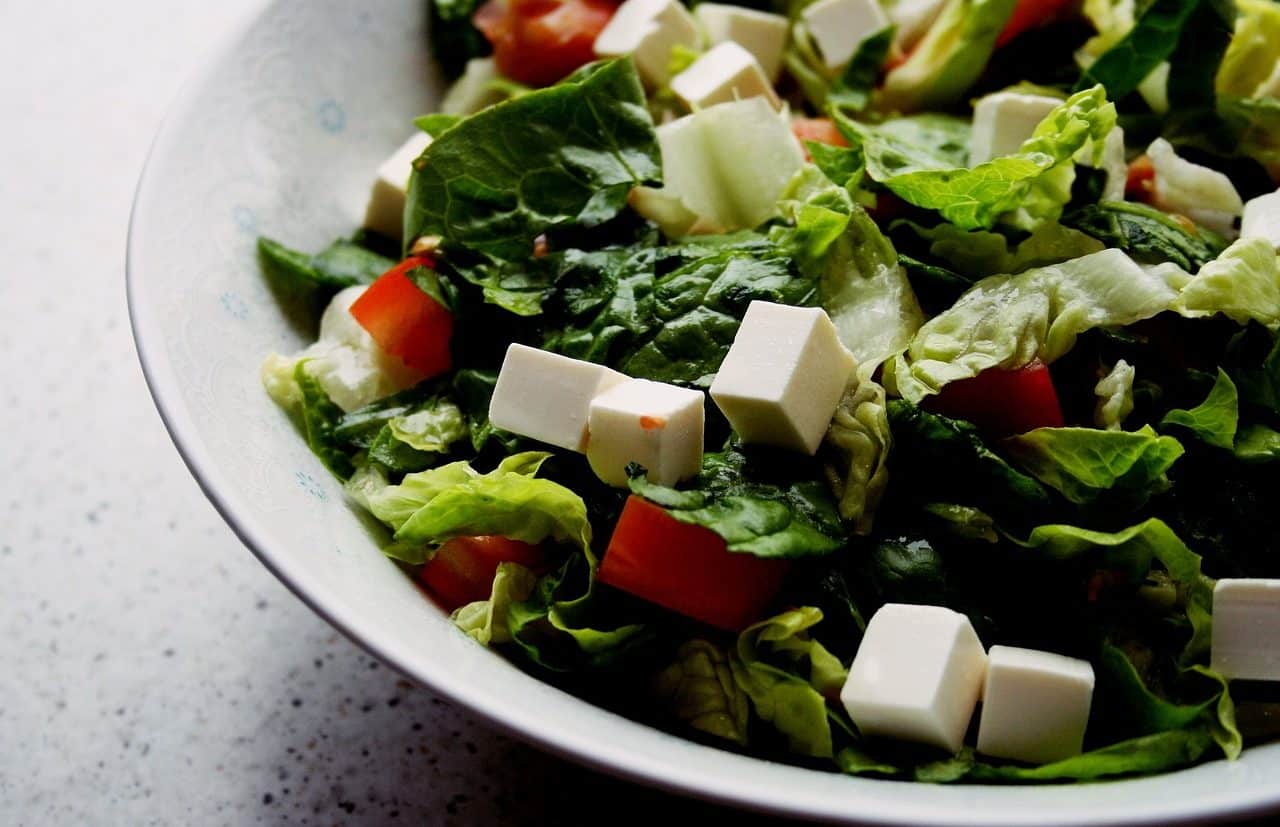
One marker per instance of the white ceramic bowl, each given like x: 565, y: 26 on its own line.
x: 280, y: 134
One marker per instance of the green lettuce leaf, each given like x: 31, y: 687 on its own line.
x: 950, y: 57
x: 937, y: 459
x: 1242, y: 284
x: 341, y: 264
x: 320, y: 419
x: 486, y: 620
x: 980, y: 253
x: 1035, y: 181
x: 699, y: 690
x: 855, y: 453
x: 1149, y: 43
x: 1115, y: 396
x: 1249, y: 65
x: 456, y: 500
x: 1257, y: 444
x: 788, y: 676
x: 1140, y: 756
x: 852, y: 90
x: 759, y: 501
x: 568, y: 154
x: 964, y: 521
x: 863, y: 288
x: 1147, y: 234
x: 1214, y: 420
x: 1084, y: 463
x: 1009, y: 321
x: 435, y: 426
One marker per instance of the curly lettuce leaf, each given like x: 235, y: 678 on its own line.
x: 1147, y: 234
x: 1215, y: 420
x: 1242, y: 284
x: 565, y: 155
x: 980, y: 253
x: 758, y: 501
x: 486, y: 620
x: 699, y: 690
x: 1150, y: 42
x: 320, y: 419
x: 788, y: 676
x: 949, y: 58
x: 455, y: 500
x: 1249, y: 65
x: 1115, y: 396
x: 855, y: 452
x: 1084, y: 464
x: 1035, y: 181
x: 1010, y: 321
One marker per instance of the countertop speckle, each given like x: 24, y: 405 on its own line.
x: 151, y: 670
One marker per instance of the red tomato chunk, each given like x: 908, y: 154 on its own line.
x: 405, y: 321
x: 462, y: 569
x: 687, y: 568
x: 1003, y: 402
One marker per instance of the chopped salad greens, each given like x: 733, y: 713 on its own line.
x: 789, y: 375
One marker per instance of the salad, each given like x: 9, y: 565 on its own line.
x: 885, y: 386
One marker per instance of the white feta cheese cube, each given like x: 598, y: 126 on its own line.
x: 1246, y: 629
x: 1204, y: 195
x: 547, y: 397
x: 1262, y: 218
x: 1035, y: 705
x: 762, y: 34
x: 783, y: 377
x: 726, y: 73
x: 838, y: 26
x: 350, y: 366
x: 385, y: 213
x: 911, y: 19
x: 917, y: 676
x: 1003, y: 121
x: 656, y: 425
x: 648, y: 30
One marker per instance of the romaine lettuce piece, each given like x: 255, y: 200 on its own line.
x: 1085, y: 464
x: 486, y: 620
x: 1147, y: 43
x: 698, y: 688
x: 455, y: 500
x: 1115, y: 396
x: 727, y: 165
x: 1242, y: 284
x: 1009, y: 321
x: 565, y: 155
x: 981, y: 253
x: 1249, y: 66
x: 949, y: 58
x: 1214, y: 420
x: 855, y: 452
x: 790, y: 698
x: 1035, y: 183
x: 1147, y: 234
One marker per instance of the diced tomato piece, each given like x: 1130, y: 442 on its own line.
x: 687, y: 568
x: 538, y: 42
x: 462, y: 569
x: 1141, y: 182
x: 405, y: 321
x: 818, y: 130
x: 1030, y: 14
x: 1003, y: 402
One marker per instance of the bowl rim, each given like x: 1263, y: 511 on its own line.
x: 164, y: 388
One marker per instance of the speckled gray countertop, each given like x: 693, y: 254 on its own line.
x: 151, y: 670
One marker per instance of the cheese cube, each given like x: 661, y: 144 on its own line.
x: 547, y: 397
x: 783, y: 377
x: 917, y: 676
x: 839, y: 26
x: 911, y: 19
x: 1246, y: 629
x: 648, y: 30
x: 654, y: 424
x: 1262, y: 218
x: 385, y: 213
x: 762, y: 34
x: 1204, y: 195
x: 1035, y: 705
x: 1003, y: 121
x: 726, y: 73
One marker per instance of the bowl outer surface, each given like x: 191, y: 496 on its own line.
x: 280, y: 134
